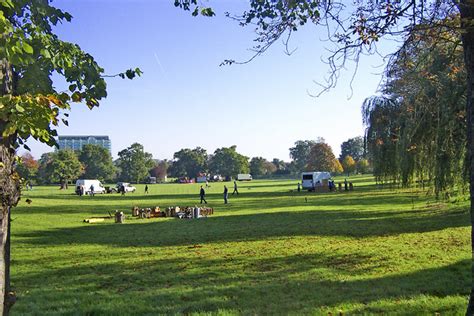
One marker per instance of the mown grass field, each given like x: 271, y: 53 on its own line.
x: 272, y: 250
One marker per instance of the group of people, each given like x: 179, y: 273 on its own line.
x: 82, y: 190
x: 348, y: 186
x: 202, y: 193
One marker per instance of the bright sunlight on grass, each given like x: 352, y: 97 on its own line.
x: 272, y: 250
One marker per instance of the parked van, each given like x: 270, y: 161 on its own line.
x: 310, y: 180
x: 86, y: 186
x: 244, y: 177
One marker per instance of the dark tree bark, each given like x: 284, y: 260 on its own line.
x: 467, y: 16
x: 9, y: 192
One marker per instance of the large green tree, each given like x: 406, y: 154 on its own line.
x: 353, y: 147
x: 62, y: 167
x: 226, y: 161
x: 189, y: 162
x: 259, y: 166
x: 97, y: 162
x: 300, y: 153
x: 134, y: 163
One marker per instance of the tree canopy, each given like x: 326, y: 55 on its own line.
x: 226, y: 161
x: 134, y: 163
x: 97, y: 163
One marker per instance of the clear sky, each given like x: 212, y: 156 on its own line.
x: 184, y: 99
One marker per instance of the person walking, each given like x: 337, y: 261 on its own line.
x: 299, y: 187
x: 92, y: 190
x: 235, y: 188
x: 146, y: 188
x: 202, y: 194
x: 226, y: 194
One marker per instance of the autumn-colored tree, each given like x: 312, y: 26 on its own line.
x: 27, y: 168
x: 349, y: 164
x: 160, y: 171
x: 338, y: 169
x: 321, y: 158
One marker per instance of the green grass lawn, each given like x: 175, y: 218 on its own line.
x: 272, y: 250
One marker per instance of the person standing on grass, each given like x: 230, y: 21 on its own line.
x: 235, y: 188
x: 299, y: 187
x: 146, y: 188
x: 226, y: 194
x: 92, y: 190
x: 202, y: 194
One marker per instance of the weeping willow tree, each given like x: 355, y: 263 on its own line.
x: 381, y: 116
x: 416, y: 131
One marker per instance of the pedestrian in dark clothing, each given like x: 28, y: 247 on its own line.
x: 299, y: 187
x: 345, y: 185
x: 340, y: 186
x: 226, y: 195
x: 92, y: 190
x: 351, y: 186
x: 146, y: 189
x: 122, y: 189
x: 235, y: 188
x: 202, y: 194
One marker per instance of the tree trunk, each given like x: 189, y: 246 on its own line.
x: 9, y: 192
x: 467, y: 14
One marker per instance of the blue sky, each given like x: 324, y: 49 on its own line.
x: 184, y: 99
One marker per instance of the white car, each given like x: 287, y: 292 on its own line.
x: 126, y: 186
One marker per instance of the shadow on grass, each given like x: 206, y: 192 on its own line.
x: 295, y: 284
x: 171, y: 232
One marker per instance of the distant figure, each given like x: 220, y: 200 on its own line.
x: 146, y: 188
x: 351, y: 186
x: 122, y: 189
x: 299, y: 187
x: 225, y: 194
x: 330, y: 185
x: 202, y: 194
x: 81, y: 190
x: 92, y: 190
x: 345, y: 184
x: 207, y: 184
x: 235, y: 188
x: 340, y: 186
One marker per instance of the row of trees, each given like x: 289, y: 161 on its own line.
x: 306, y: 155
x: 91, y: 162
x: 318, y: 155
x: 135, y: 165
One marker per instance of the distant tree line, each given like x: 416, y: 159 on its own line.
x: 135, y: 165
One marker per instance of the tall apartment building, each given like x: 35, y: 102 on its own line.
x: 76, y: 142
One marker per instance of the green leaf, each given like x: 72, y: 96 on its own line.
x: 19, y: 108
x: 27, y: 48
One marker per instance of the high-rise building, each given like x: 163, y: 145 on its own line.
x: 76, y: 142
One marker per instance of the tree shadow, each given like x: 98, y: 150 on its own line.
x: 171, y: 232
x: 297, y: 284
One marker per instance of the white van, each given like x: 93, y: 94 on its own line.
x: 310, y: 180
x: 244, y: 177
x: 86, y: 186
